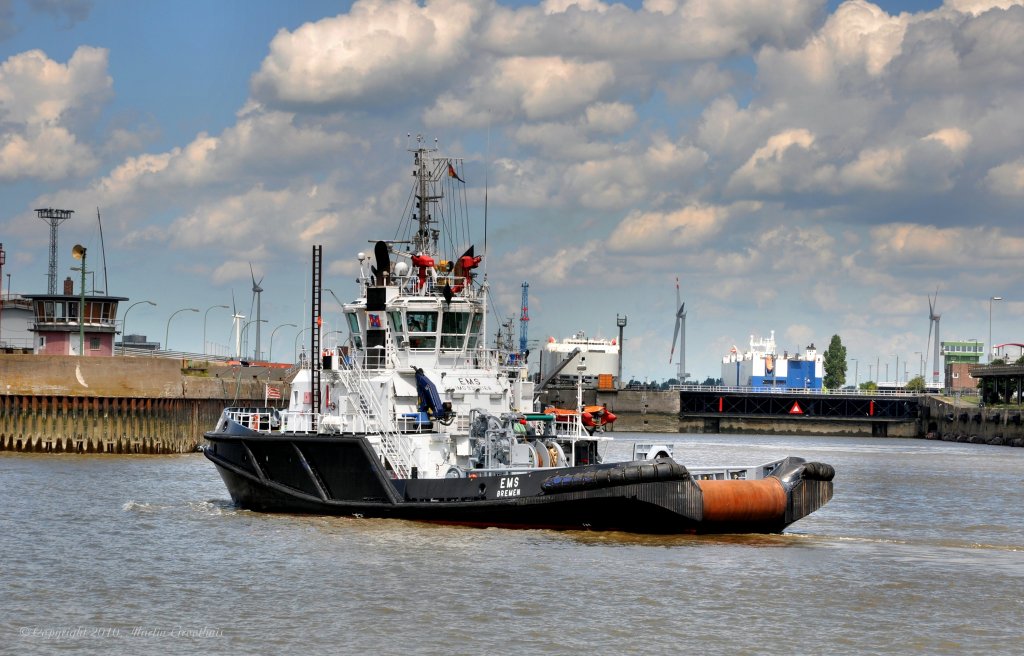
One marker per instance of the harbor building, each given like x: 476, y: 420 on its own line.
x: 969, y: 351
x: 958, y: 356
x: 1009, y: 353
x: 70, y: 324
x: 136, y: 343
x: 762, y: 367
x: 15, y: 324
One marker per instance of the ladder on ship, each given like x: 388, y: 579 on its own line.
x: 374, y: 418
x: 315, y: 361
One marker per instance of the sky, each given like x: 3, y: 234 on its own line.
x: 804, y: 167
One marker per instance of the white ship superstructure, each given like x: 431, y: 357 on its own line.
x: 761, y: 366
x: 580, y: 356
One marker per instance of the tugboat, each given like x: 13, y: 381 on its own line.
x: 415, y: 418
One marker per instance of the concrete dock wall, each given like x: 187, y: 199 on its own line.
x: 941, y: 418
x: 119, y: 404
x: 951, y: 421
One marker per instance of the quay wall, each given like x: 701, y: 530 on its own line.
x: 952, y: 421
x: 641, y: 411
x: 119, y: 404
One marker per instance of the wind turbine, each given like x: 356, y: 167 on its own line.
x: 933, y: 322
x: 681, y: 335
x: 237, y: 326
x: 257, y: 291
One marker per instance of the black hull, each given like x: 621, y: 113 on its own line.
x: 341, y: 475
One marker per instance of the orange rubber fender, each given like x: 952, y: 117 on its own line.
x: 733, y: 501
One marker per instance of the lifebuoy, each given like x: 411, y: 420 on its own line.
x: 254, y: 421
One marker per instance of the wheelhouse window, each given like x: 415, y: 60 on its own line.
x: 474, y: 330
x: 453, y: 329
x: 422, y: 329
x: 353, y: 326
x: 95, y: 311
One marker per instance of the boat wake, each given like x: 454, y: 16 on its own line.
x: 142, y: 507
x: 215, y: 507
x: 211, y: 507
x: 965, y: 545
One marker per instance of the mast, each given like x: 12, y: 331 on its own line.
x: 103, y: 252
x: 425, y: 239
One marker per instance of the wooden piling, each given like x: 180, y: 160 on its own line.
x: 61, y: 404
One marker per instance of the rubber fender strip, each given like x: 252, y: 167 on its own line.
x: 819, y: 471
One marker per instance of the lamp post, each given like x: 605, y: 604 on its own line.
x: 167, y: 333
x: 247, y: 325
x: 973, y: 351
x: 920, y: 359
x: 124, y: 321
x: 621, y: 323
x: 340, y: 304
x: 78, y: 252
x: 295, y: 350
x: 270, y: 354
x: 206, y: 315
x: 990, y: 300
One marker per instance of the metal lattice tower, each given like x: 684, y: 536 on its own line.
x: 54, y: 218
x: 524, y: 318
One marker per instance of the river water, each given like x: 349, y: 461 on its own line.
x: 920, y: 551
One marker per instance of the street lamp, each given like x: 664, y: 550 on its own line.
x: 990, y: 299
x: 124, y: 321
x: 270, y: 355
x: 246, y: 326
x: 621, y: 323
x: 205, y: 316
x: 295, y: 350
x: 340, y: 304
x: 167, y: 333
x: 78, y: 252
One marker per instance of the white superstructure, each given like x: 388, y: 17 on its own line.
x: 761, y: 366
x: 596, y: 357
